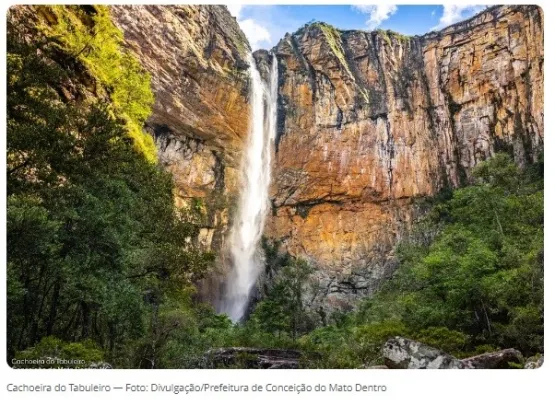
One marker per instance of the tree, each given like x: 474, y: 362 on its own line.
x: 482, y: 273
x: 96, y: 249
x: 470, y: 277
x: 282, y: 312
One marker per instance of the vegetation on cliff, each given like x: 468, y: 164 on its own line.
x: 87, y: 34
x: 389, y: 34
x: 470, y: 277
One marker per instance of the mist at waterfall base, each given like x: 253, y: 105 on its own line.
x: 253, y: 203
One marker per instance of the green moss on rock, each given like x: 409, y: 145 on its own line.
x: 333, y: 37
x: 87, y: 34
x: 388, y: 35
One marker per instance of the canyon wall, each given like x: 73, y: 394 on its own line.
x: 369, y: 122
x: 196, y: 56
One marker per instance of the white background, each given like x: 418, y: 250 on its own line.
x: 450, y: 393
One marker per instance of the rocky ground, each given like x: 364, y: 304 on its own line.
x: 398, y: 353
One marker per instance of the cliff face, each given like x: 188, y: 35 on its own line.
x: 196, y: 57
x: 369, y: 122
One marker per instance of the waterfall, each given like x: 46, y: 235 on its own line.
x: 253, y: 201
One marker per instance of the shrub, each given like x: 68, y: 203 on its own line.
x: 53, y: 351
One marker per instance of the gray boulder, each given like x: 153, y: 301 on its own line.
x: 534, y: 362
x: 402, y: 353
x: 100, y: 365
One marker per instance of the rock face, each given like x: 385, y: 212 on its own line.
x: 371, y: 121
x: 252, y: 358
x: 196, y: 57
x: 402, y: 353
x: 368, y: 123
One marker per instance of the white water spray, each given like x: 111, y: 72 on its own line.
x: 253, y: 201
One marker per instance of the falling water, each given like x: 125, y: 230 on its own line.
x: 253, y: 204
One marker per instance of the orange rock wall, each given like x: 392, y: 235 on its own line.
x: 196, y: 58
x: 371, y: 121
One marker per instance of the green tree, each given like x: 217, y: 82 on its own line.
x: 88, y: 35
x: 470, y: 277
x: 96, y: 249
x: 282, y: 312
x: 482, y: 272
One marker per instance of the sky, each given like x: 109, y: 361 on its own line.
x: 265, y: 25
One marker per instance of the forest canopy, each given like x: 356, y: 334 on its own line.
x: 99, y: 259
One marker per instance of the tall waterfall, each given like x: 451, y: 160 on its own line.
x: 253, y: 203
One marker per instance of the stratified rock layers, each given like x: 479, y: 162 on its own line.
x: 370, y: 121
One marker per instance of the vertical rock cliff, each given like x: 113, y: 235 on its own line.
x: 371, y: 121
x: 196, y: 56
x: 368, y: 123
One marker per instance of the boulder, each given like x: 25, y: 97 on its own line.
x: 402, y: 353
x: 534, y: 362
x: 100, y: 365
x: 252, y: 358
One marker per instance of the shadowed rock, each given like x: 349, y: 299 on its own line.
x: 252, y: 358
x: 494, y: 360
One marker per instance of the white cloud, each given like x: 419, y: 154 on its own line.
x: 377, y: 13
x: 455, y: 13
x: 255, y: 33
x: 235, y: 10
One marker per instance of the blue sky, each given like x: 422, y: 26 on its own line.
x: 266, y: 25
